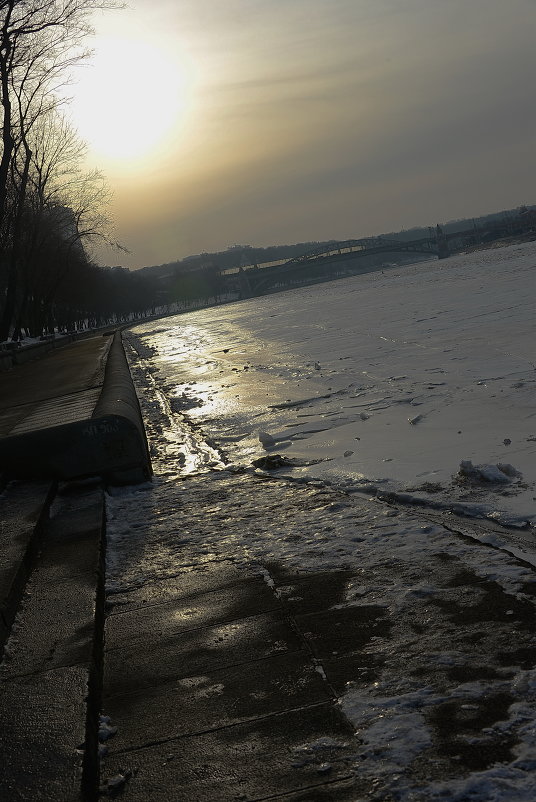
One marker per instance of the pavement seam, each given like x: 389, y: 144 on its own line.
x: 176, y: 677
x: 164, y: 683
x: 170, y: 600
x: 227, y: 667
x: 316, y: 661
x: 296, y: 791
x: 211, y: 730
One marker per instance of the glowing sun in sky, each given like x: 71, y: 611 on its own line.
x: 129, y: 99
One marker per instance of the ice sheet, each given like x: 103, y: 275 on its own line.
x: 391, y: 378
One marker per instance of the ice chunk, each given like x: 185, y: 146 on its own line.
x: 491, y: 473
x: 509, y: 470
x: 498, y: 474
x: 266, y: 439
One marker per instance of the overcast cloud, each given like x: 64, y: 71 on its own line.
x: 320, y: 119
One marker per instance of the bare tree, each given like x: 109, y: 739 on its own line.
x: 40, y: 40
x: 65, y: 213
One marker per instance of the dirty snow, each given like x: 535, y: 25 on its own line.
x: 396, y: 398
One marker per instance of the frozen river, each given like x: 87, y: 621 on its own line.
x: 384, y: 382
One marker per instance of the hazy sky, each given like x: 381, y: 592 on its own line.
x: 279, y: 121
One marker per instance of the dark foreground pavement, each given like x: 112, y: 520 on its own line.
x: 215, y: 691
x: 223, y: 673
x: 213, y: 670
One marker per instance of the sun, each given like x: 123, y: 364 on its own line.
x: 129, y: 99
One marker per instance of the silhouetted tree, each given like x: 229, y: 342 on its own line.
x: 39, y: 41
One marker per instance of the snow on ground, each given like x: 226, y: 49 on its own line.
x: 391, y: 378
x: 441, y: 690
x: 382, y: 382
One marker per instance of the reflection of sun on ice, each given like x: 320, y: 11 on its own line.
x: 129, y: 98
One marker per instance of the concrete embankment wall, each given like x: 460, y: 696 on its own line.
x: 118, y: 403
x: 94, y: 430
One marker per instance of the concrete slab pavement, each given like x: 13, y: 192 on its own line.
x: 251, y: 596
x: 261, y: 759
x: 220, y: 697
x: 167, y: 657
x: 215, y: 692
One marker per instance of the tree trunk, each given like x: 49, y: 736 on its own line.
x: 7, y: 122
x: 10, y: 307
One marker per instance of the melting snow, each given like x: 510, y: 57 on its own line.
x: 453, y: 339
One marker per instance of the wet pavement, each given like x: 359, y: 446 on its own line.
x: 231, y: 675
x: 260, y: 639
x: 214, y: 692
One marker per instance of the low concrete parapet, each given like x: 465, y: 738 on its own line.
x: 117, y: 423
x: 103, y: 433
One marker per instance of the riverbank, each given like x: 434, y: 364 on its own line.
x: 281, y: 634
x: 273, y: 636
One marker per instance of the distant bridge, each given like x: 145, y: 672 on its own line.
x: 255, y: 279
x: 352, y: 249
x: 317, y: 264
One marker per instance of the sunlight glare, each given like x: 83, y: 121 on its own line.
x: 130, y: 98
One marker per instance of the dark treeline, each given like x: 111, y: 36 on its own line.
x: 51, y: 211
